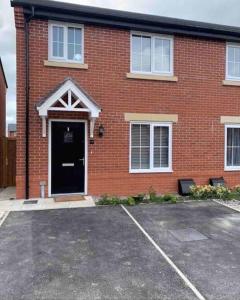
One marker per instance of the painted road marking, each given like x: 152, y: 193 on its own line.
x: 171, y: 263
x: 5, y: 215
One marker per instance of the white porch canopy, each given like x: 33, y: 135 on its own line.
x: 69, y: 97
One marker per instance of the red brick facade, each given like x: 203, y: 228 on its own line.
x: 3, y: 90
x: 198, y: 98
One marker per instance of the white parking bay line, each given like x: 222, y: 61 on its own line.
x: 171, y: 263
x: 4, y: 217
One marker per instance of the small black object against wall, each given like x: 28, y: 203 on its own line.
x: 217, y: 181
x: 184, y: 186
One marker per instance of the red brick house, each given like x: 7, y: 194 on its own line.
x: 116, y: 102
x: 3, y: 91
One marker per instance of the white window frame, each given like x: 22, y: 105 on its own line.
x: 65, y: 27
x: 153, y: 36
x: 226, y: 167
x: 152, y: 169
x: 227, y: 76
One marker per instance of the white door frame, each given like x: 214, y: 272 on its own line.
x: 50, y: 155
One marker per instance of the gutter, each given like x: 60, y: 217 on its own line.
x: 27, y: 87
x: 74, y: 13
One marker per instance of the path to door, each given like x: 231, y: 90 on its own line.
x: 101, y: 253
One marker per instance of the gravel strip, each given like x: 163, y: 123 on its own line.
x: 233, y: 204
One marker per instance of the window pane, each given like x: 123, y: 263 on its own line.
x: 145, y: 135
x: 55, y: 49
x: 71, y: 35
x: 78, y: 36
x: 136, y: 44
x: 164, y: 157
x: 75, y: 44
x: 140, y: 158
x: 236, y: 156
x: 70, y: 51
x: 57, y: 42
x: 237, y: 55
x: 233, y: 146
x: 135, y: 135
x: 135, y: 158
x: 233, y: 61
x: 236, y: 137
x: 162, y: 55
x: 141, y: 53
x: 161, y: 149
x: 145, y: 158
x: 229, y: 156
x: 230, y: 54
x: 146, y: 54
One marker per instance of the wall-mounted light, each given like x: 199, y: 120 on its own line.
x: 101, y: 131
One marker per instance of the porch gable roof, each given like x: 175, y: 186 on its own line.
x: 77, y: 100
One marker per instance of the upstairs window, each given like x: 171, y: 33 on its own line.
x: 66, y: 42
x: 151, y: 54
x: 233, y: 62
x: 232, y: 147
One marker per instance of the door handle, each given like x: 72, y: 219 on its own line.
x: 82, y: 160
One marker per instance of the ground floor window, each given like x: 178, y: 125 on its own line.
x: 151, y: 147
x: 232, y: 147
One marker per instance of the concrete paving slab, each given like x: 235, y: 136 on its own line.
x: 8, y: 193
x: 87, y: 253
x: 212, y: 264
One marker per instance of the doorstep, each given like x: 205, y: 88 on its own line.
x: 42, y: 204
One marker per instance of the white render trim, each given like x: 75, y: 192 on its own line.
x: 64, y: 25
x: 226, y: 167
x: 89, y: 106
x: 227, y: 77
x: 151, y: 169
x: 44, y: 127
x: 50, y: 154
x: 153, y: 36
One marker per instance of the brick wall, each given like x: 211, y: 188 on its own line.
x: 199, y: 99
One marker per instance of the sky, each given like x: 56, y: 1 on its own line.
x: 213, y: 11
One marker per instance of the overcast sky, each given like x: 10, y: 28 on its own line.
x: 213, y: 11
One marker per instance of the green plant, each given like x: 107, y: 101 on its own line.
x: 139, y: 198
x: 152, y: 194
x: 131, y: 201
x: 106, y: 200
x: 209, y: 192
x: 236, y: 189
x: 169, y: 198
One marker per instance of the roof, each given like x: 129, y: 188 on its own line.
x: 12, y: 127
x: 47, y: 9
x: 1, y: 67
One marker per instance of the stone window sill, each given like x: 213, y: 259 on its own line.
x: 231, y: 82
x: 61, y: 64
x: 151, y: 77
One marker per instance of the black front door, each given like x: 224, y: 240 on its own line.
x: 68, y: 157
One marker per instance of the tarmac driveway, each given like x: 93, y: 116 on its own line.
x: 100, y: 253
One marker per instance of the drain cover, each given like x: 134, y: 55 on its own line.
x: 30, y: 202
x: 188, y: 235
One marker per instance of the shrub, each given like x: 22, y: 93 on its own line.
x: 169, y: 198
x: 106, y: 200
x: 236, y: 189
x: 131, y: 201
x: 209, y: 192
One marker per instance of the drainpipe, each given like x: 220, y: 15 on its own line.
x: 26, y: 29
